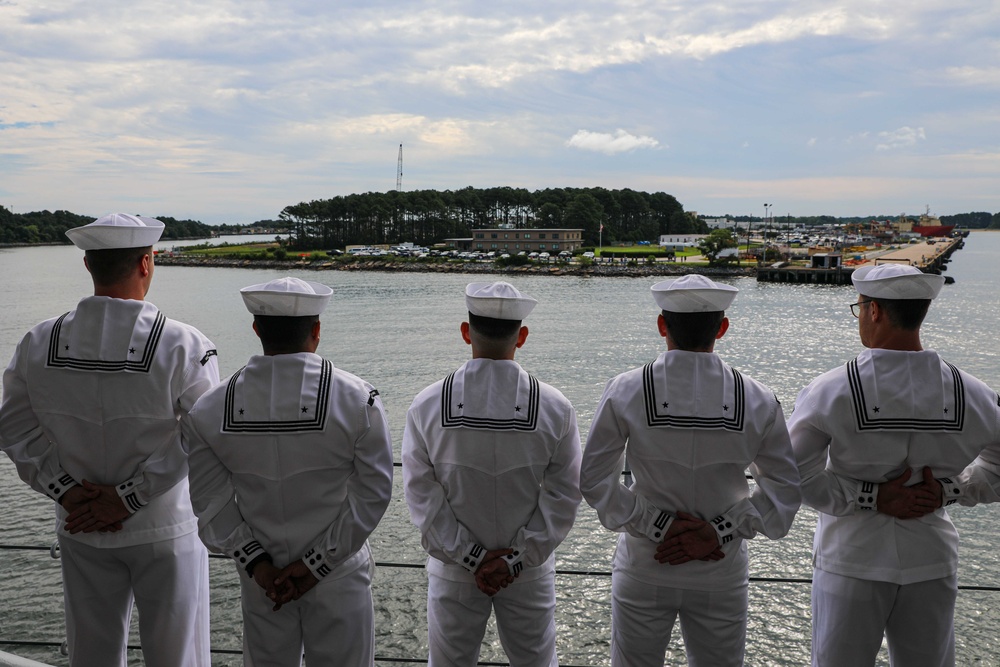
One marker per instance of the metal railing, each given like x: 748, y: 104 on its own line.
x: 53, y: 551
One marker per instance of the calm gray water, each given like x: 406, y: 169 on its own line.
x: 401, y: 332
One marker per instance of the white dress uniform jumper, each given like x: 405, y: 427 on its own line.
x: 95, y: 395
x: 865, y: 423
x: 491, y: 460
x: 691, y: 426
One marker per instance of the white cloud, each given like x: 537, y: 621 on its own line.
x: 609, y: 144
x: 811, y: 142
x: 902, y: 138
x: 975, y: 76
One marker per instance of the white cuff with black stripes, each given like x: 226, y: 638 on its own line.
x: 473, y: 557
x: 317, y: 560
x: 951, y: 492
x: 248, y: 552
x: 725, y: 528
x: 59, y: 485
x: 514, y: 564
x: 866, y: 498
x: 127, y: 492
x: 656, y: 524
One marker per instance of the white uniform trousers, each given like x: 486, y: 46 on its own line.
x: 713, y: 623
x: 457, y: 613
x: 333, y: 624
x: 168, y: 580
x: 849, y: 617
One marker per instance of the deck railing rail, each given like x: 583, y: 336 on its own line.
x: 53, y: 551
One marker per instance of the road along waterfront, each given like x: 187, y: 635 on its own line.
x: 400, y: 332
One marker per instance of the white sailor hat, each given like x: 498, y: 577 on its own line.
x: 498, y: 300
x: 896, y: 281
x: 693, y: 293
x: 117, y: 230
x: 286, y: 297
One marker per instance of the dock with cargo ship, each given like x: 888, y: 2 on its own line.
x: 930, y: 255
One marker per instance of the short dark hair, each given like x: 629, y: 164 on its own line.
x: 110, y: 266
x: 693, y: 331
x: 906, y: 314
x: 284, y: 335
x: 493, y: 328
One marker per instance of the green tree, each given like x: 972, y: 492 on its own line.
x: 586, y: 213
x: 713, y: 244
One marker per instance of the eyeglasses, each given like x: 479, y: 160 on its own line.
x: 856, y: 307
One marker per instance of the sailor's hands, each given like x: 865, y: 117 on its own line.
x: 493, y: 573
x: 102, y: 511
x: 267, y: 577
x: 909, y: 502
x: 299, y: 576
x: 688, y: 538
x: 933, y: 487
x: 76, y: 497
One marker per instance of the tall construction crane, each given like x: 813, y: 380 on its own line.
x: 399, y: 170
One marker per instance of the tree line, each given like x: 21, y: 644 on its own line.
x: 977, y: 220
x: 51, y: 226
x: 426, y: 217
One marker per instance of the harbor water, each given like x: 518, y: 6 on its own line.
x: 401, y: 332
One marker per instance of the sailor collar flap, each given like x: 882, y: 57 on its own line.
x: 905, y: 391
x: 107, y: 335
x: 693, y: 390
x: 490, y: 395
x: 279, y: 394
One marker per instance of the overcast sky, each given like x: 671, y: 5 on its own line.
x: 228, y: 111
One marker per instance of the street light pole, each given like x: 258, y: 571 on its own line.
x: 765, y: 226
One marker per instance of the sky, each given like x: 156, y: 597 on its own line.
x: 228, y: 111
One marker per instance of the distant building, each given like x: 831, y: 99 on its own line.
x: 719, y: 223
x: 677, y: 242
x: 513, y: 241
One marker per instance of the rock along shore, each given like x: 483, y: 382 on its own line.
x: 597, y: 269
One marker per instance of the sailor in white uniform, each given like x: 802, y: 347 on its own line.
x: 691, y: 426
x: 882, y: 442
x: 491, y: 460
x: 291, y: 470
x: 90, y: 418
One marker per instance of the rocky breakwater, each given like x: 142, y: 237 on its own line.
x: 370, y: 264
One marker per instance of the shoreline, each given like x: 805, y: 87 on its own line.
x: 596, y: 270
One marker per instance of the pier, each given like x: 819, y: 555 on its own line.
x: 930, y: 256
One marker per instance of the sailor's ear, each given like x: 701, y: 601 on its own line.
x: 522, y: 335
x: 723, y: 328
